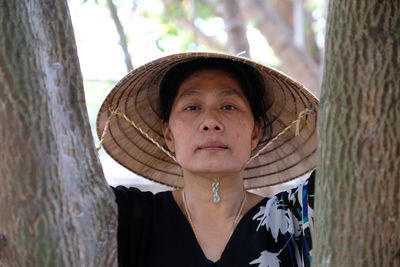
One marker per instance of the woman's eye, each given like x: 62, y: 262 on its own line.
x: 190, y: 108
x: 228, y: 107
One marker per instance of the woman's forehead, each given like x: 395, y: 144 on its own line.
x: 210, y: 72
x: 221, y: 93
x: 219, y: 82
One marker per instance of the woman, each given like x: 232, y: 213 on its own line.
x: 211, y: 125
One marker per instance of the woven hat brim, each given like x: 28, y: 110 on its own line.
x: 136, y: 95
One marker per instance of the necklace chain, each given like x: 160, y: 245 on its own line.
x: 235, y: 222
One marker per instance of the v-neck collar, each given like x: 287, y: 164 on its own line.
x: 231, y: 238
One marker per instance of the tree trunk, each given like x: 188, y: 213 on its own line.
x: 286, y: 10
x: 235, y: 27
x: 358, y: 189
x: 55, y: 206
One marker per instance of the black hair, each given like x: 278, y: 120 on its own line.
x: 249, y: 79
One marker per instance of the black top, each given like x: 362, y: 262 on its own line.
x: 153, y: 231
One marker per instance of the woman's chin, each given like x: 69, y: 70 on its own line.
x: 214, y: 171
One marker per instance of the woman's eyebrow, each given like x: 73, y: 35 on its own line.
x: 190, y: 93
x: 229, y: 92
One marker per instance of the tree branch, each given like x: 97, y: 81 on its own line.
x: 235, y: 27
x: 200, y: 35
x: 296, y: 62
x: 121, y: 33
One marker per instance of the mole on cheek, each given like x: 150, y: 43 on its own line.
x: 238, y: 136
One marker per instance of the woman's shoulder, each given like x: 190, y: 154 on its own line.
x: 132, y: 194
x: 127, y: 194
x: 253, y: 201
x: 303, y: 189
x: 132, y: 199
x: 298, y: 200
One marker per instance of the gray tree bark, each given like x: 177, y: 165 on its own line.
x: 358, y: 187
x: 56, y: 208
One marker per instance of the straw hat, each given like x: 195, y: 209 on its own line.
x: 129, y: 125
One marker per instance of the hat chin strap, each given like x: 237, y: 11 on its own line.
x: 115, y: 111
x: 297, y: 121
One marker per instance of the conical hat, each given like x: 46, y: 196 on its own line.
x: 129, y: 125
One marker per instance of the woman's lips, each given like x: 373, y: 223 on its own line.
x: 213, y: 146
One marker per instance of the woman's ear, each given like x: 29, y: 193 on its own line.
x: 257, y: 133
x: 168, y: 137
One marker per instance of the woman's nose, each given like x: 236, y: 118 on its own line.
x: 211, y: 123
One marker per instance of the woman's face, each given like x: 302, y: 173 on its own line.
x: 211, y: 128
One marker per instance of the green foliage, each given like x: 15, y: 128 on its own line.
x: 159, y: 45
x: 311, y: 5
x: 188, y: 42
x: 185, y: 39
x: 173, y: 11
x: 170, y: 29
x: 95, y: 1
x: 203, y: 10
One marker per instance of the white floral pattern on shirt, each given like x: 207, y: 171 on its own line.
x: 287, y: 216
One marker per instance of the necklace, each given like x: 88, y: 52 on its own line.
x: 235, y: 222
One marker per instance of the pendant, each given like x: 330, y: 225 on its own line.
x: 215, y: 188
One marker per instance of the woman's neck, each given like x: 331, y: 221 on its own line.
x: 199, y: 196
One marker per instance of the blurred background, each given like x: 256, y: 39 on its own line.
x: 114, y: 37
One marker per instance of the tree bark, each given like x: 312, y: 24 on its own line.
x: 235, y: 27
x: 295, y: 62
x: 358, y: 189
x: 56, y: 207
x: 122, y: 38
